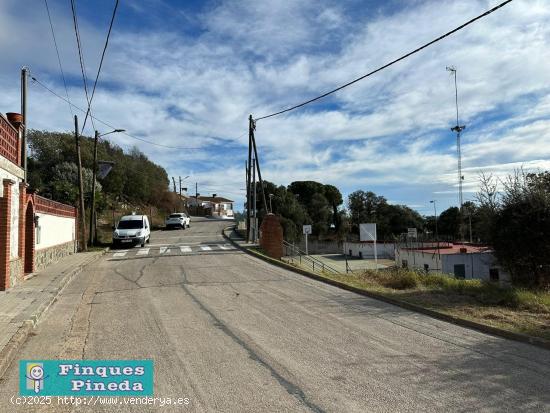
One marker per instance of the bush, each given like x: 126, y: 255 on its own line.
x: 402, y: 281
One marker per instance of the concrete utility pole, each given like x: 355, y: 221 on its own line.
x: 80, y: 186
x: 94, y: 173
x: 25, y: 121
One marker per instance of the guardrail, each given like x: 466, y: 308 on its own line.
x: 295, y: 255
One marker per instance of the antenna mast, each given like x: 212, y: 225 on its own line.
x: 458, y: 129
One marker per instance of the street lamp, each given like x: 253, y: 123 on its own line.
x: 436, y: 232
x: 270, y: 206
x: 94, y: 173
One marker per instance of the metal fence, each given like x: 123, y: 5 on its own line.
x: 295, y: 255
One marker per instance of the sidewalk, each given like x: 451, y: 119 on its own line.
x: 22, y: 306
x: 230, y: 233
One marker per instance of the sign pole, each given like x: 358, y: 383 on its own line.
x: 375, y: 257
x: 307, y: 253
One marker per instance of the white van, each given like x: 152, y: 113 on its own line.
x: 132, y: 230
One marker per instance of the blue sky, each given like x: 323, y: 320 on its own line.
x: 187, y: 74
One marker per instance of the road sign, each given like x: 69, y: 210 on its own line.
x: 104, y: 168
x: 306, y: 230
x: 367, y: 232
x: 412, y: 232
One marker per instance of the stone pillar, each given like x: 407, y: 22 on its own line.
x: 271, y: 237
x: 5, y: 229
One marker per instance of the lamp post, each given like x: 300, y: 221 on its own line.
x: 436, y: 232
x: 270, y: 206
x: 94, y: 173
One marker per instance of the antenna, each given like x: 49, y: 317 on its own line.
x: 458, y: 128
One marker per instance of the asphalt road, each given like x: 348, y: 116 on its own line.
x: 234, y: 334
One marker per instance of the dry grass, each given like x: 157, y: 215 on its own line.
x: 517, y: 310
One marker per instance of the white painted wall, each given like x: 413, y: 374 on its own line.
x: 54, y: 230
x: 476, y: 265
x: 14, y: 233
x: 383, y: 250
x: 418, y: 259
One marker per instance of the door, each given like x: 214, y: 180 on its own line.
x: 460, y: 271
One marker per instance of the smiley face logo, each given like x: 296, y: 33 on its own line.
x: 35, y: 377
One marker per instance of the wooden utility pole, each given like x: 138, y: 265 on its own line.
x: 257, y: 162
x: 80, y: 186
x: 248, y: 198
x: 254, y: 208
x: 94, y: 174
x: 196, y: 199
x: 181, y: 201
x: 174, y: 182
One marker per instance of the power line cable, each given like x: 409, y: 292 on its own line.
x: 58, y: 57
x: 100, y: 64
x: 388, y: 64
x: 80, y: 55
x: 38, y: 82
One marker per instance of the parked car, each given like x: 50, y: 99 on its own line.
x: 132, y: 230
x: 178, y: 220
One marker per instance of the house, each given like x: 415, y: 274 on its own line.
x: 215, y: 206
x: 34, y: 231
x: 464, y: 261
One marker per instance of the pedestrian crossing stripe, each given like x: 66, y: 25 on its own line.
x: 167, y: 250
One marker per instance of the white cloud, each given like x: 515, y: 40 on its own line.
x: 389, y: 130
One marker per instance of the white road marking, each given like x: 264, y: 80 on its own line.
x: 120, y: 254
x: 185, y: 248
x: 163, y: 250
x: 225, y: 247
x: 143, y: 251
x: 206, y: 248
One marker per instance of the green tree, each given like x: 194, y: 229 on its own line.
x: 448, y: 223
x: 521, y: 228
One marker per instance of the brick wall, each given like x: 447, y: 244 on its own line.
x: 5, y: 223
x: 271, y: 236
x: 9, y: 141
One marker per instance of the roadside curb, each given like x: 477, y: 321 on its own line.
x: 11, y: 349
x: 494, y: 331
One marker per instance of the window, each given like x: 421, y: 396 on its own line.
x: 130, y: 224
x: 493, y: 274
x: 175, y: 215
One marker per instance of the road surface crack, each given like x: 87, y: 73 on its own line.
x: 292, y: 389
